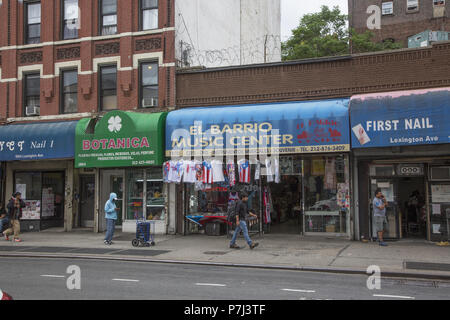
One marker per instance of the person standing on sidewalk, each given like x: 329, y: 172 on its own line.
x: 241, y: 216
x: 111, y: 217
x: 4, y: 220
x: 379, y: 215
x: 15, y: 206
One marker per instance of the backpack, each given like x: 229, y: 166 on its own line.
x: 232, y: 211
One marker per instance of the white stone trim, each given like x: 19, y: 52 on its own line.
x: 34, y: 67
x: 52, y: 117
x: 66, y: 65
x: 105, y: 61
x: 96, y: 38
x: 147, y: 56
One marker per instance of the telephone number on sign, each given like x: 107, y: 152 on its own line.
x: 142, y: 162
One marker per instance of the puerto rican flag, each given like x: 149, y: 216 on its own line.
x: 244, y: 171
x: 207, y: 173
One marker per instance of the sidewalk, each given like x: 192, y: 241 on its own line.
x: 274, y: 251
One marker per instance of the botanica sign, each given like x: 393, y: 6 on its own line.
x: 120, y: 139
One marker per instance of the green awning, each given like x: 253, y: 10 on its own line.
x: 120, y: 139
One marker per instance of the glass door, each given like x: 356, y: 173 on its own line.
x: 117, y: 188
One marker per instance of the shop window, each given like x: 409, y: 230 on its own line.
x: 149, y: 85
x: 70, y: 20
x: 69, y: 85
x: 32, y: 94
x: 387, y: 8
x: 326, y: 194
x: 439, y: 2
x: 108, y: 17
x: 149, y: 14
x: 145, y: 197
x: 32, y: 22
x: 43, y: 193
x: 108, y: 88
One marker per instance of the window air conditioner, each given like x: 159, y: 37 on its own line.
x: 149, y: 102
x: 32, y: 111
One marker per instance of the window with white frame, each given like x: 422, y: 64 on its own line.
x: 387, y: 8
x: 108, y: 17
x: 70, y: 19
x: 31, y: 93
x: 108, y: 88
x: 33, y: 22
x: 149, y: 84
x: 149, y: 14
x: 69, y: 91
x: 412, y: 5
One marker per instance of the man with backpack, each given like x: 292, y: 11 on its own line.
x: 239, y: 215
x: 15, y: 206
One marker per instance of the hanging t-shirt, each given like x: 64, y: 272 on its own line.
x: 277, y: 170
x: 176, y: 171
x: 207, y: 173
x: 166, y: 170
x: 231, y: 173
x: 199, y: 171
x: 189, y: 174
x: 244, y: 171
x: 269, y: 170
x: 258, y: 170
x: 217, y: 171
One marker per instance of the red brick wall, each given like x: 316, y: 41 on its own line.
x: 14, y: 54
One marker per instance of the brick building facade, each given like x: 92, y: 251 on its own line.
x: 126, y: 49
x: 400, y: 19
x: 322, y: 78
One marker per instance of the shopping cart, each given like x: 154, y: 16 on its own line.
x: 145, y: 232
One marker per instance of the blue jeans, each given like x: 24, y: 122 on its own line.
x: 3, y: 222
x: 242, y: 226
x: 110, y: 227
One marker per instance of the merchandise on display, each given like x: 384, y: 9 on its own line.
x: 244, y: 171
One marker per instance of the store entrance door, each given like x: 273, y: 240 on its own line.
x: 411, y: 195
x: 87, y: 201
x: 388, y: 187
x: 111, y: 181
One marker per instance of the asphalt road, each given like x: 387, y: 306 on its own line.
x: 31, y: 278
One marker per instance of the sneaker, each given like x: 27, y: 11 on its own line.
x: 6, y: 237
x: 383, y: 244
x: 17, y: 240
x: 254, y: 245
x: 234, y: 246
x: 106, y: 242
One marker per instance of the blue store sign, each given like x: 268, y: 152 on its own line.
x: 403, y: 118
x: 291, y: 127
x: 37, y: 141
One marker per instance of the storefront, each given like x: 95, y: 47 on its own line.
x: 401, y: 145
x: 39, y: 164
x: 291, y: 158
x: 122, y: 153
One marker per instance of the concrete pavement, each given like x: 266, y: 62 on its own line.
x: 408, y: 258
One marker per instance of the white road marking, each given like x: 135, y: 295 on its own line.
x: 211, y: 284
x: 125, y: 280
x: 52, y: 276
x: 298, y: 290
x: 391, y: 296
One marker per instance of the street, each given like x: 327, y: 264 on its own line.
x: 46, y: 279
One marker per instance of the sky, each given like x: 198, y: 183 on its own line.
x: 293, y: 10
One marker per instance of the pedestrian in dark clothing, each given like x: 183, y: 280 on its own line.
x: 4, y: 220
x: 241, y: 224
x: 15, y: 206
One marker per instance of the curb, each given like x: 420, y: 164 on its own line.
x: 388, y: 274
